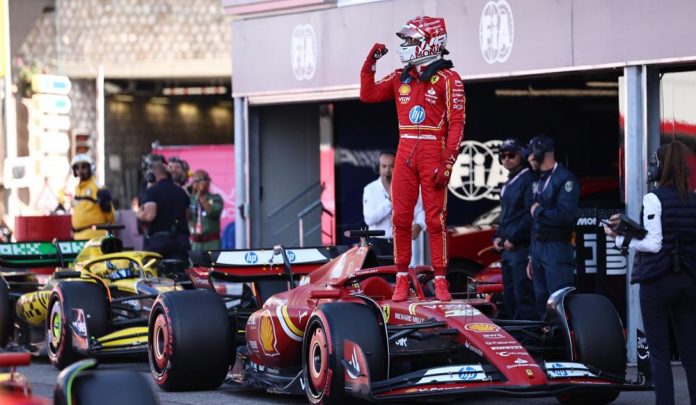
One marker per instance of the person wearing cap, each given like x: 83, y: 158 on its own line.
x: 92, y: 205
x: 552, y: 261
x: 430, y: 100
x: 204, y: 214
x: 512, y: 237
x: 179, y: 169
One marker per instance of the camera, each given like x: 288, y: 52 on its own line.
x: 629, y: 229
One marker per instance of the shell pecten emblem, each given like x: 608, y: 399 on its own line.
x: 267, y: 335
x: 404, y: 89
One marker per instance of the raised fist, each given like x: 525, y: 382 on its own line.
x: 377, y: 51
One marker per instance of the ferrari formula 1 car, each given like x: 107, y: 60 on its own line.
x: 78, y: 384
x: 97, y: 307
x: 339, y: 335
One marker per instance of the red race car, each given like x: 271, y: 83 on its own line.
x: 337, y: 334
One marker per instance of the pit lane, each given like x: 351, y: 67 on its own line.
x: 43, y: 377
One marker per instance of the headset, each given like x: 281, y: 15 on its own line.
x: 375, y: 167
x: 654, y: 168
x: 538, y: 148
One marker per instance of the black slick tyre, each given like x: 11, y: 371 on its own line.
x: 66, y: 296
x: 599, y: 342
x: 190, y: 341
x: 323, y: 349
x: 123, y: 387
x: 6, y: 328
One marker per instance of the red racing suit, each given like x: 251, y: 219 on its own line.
x: 431, y: 126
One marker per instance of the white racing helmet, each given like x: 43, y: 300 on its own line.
x: 424, y: 40
x: 82, y: 158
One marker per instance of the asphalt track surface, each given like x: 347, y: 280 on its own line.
x: 43, y: 378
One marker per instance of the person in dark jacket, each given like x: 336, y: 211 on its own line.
x: 513, y: 234
x: 556, y: 194
x: 665, y: 268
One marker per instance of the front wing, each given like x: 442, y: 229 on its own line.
x: 473, y: 380
x: 127, y: 341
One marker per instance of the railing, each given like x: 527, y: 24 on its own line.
x: 301, y: 216
x: 305, y: 212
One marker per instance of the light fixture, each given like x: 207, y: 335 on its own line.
x: 194, y: 91
x: 530, y: 92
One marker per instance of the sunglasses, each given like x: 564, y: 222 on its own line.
x: 508, y: 155
x: 82, y: 166
x: 200, y: 180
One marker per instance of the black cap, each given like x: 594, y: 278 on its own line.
x: 511, y: 145
x: 542, y: 142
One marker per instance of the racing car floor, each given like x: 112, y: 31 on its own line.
x: 43, y: 377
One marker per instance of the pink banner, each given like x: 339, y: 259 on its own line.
x: 218, y: 161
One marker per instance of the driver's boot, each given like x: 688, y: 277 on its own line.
x: 442, y: 289
x: 401, y: 290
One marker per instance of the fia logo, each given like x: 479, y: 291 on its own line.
x: 477, y: 173
x: 303, y: 52
x: 496, y: 31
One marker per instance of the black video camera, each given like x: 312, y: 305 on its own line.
x: 630, y: 230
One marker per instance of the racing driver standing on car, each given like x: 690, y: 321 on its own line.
x: 430, y: 108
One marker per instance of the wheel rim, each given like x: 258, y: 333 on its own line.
x: 160, y: 338
x: 56, y: 325
x: 317, y: 363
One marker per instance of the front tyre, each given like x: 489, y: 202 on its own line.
x: 598, y: 339
x: 189, y: 341
x: 323, y: 349
x: 65, y: 297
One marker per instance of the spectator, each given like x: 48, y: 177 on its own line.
x: 92, y: 205
x: 377, y: 209
x: 164, y: 207
x: 179, y: 169
x: 204, y: 214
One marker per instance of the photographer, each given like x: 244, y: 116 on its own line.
x: 665, y: 267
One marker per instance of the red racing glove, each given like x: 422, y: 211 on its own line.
x: 377, y: 51
x: 442, y: 174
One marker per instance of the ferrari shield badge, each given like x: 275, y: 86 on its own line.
x: 386, y: 309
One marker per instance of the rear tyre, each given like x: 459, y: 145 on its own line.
x: 190, y: 341
x: 323, y: 351
x: 6, y: 330
x: 598, y: 338
x: 124, y: 387
x: 66, y: 296
x: 458, y: 275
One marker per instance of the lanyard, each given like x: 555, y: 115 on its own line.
x: 546, y: 184
x: 514, y: 179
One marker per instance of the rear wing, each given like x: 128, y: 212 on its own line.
x: 265, y: 258
x: 38, y: 254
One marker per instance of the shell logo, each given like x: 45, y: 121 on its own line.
x: 482, y: 327
x: 404, y: 89
x: 267, y: 335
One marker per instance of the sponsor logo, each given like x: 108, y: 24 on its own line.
x: 498, y: 348
x: 496, y: 31
x: 558, y: 370
x: 507, y: 342
x: 473, y: 348
x: 291, y: 256
x: 407, y: 79
x: 408, y: 318
x: 493, y: 336
x: 403, y: 342
x: 482, y: 327
x: 587, y: 221
x: 251, y: 257
x: 404, y: 89
x: 354, y: 370
x: 416, y: 115
x: 520, y: 361
x: 568, y: 186
x: 79, y: 325
x: 507, y: 354
x: 267, y: 335
x: 431, y: 91
x: 303, y: 52
x: 467, y: 373
x: 404, y: 99
x: 462, y: 312
x: 386, y: 309
x: 511, y: 366
x: 253, y: 345
x: 477, y: 173
x: 434, y: 79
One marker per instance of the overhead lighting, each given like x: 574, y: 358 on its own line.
x: 194, y: 91
x: 125, y: 98
x: 159, y: 100
x: 556, y: 93
x: 614, y: 85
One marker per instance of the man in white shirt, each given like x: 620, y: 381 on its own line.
x: 377, y: 211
